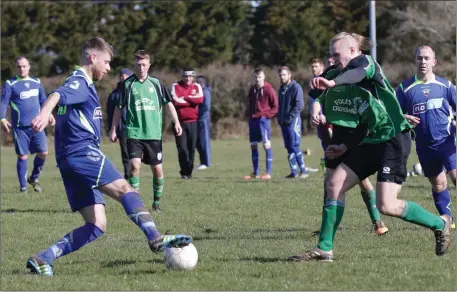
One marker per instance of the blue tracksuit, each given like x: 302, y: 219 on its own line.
x: 291, y: 103
x: 204, y: 120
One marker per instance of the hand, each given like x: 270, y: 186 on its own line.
x: 52, y: 120
x: 414, y: 121
x: 335, y: 151
x: 178, y: 129
x: 41, y: 121
x: 6, y: 125
x: 180, y: 100
x: 257, y: 115
x: 318, y: 119
x: 113, y: 135
x: 322, y: 83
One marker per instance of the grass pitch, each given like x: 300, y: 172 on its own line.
x: 244, y: 232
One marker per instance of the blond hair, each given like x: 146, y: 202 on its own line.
x: 98, y: 44
x: 362, y: 43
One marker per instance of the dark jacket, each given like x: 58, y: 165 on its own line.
x: 111, y: 103
x: 204, y: 109
x: 291, y: 102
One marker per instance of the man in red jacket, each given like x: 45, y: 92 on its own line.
x: 187, y: 95
x: 263, y: 105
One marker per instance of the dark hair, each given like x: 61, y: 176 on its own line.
x: 258, y: 70
x: 142, y: 54
x: 284, y: 68
x: 317, y: 60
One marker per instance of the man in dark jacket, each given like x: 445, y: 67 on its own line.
x: 111, y: 103
x: 291, y: 103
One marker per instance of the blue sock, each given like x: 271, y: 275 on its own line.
x: 269, y: 153
x: 136, y: 211
x: 255, y: 161
x: 37, y: 168
x: 292, y: 163
x: 300, y: 160
x: 71, y: 242
x: 21, y: 168
x: 443, y: 202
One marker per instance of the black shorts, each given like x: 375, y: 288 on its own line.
x: 339, y: 134
x: 388, y: 159
x: 150, y: 151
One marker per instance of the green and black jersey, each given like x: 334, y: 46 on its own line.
x: 144, y: 102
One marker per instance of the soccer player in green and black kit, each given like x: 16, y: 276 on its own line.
x: 377, y: 145
x: 144, y: 97
x: 342, y: 116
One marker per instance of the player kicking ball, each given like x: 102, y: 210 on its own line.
x: 86, y: 172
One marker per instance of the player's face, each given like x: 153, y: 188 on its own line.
x: 317, y: 69
x: 23, y: 68
x: 123, y: 77
x: 188, y: 79
x: 101, y: 65
x: 259, y: 79
x: 425, y: 61
x: 284, y: 76
x: 142, y: 67
x: 341, y: 53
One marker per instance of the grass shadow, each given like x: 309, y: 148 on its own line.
x: 13, y: 210
x: 264, y: 260
x: 117, y: 263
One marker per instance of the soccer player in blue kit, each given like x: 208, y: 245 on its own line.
x: 25, y: 95
x: 428, y: 102
x: 86, y: 172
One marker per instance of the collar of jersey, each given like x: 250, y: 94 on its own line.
x: 85, y: 73
x: 18, y: 78
x: 418, y: 81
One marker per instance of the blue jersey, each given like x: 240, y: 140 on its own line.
x: 79, y: 116
x: 25, y: 96
x: 433, y: 103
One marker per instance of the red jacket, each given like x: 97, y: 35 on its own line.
x: 186, y: 99
x: 263, y: 102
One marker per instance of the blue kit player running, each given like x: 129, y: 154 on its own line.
x: 428, y: 102
x: 25, y: 95
x: 86, y: 172
x: 291, y: 103
x: 263, y: 106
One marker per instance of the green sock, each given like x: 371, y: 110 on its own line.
x: 369, y: 198
x: 331, y: 218
x: 135, y: 182
x: 157, y: 186
x: 416, y: 214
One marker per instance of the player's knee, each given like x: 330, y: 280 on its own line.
x: 439, y: 184
x: 253, y: 146
x: 135, y: 168
x: 157, y: 171
x: 42, y: 155
x: 267, y: 145
x: 22, y: 157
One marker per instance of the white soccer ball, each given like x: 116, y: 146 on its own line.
x: 417, y: 168
x: 181, y: 258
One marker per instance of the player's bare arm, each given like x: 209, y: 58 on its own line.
x: 44, y: 117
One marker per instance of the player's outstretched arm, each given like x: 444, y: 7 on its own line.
x: 116, y: 118
x: 174, y: 116
x: 43, y: 118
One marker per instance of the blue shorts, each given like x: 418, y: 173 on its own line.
x: 434, y: 160
x: 259, y: 130
x: 82, y: 173
x: 292, y: 134
x: 25, y: 141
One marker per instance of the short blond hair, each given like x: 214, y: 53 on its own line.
x: 98, y: 44
x: 142, y: 54
x: 363, y: 43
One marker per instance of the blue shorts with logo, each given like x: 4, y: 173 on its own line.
x: 292, y: 134
x: 82, y: 173
x: 433, y: 161
x: 26, y: 140
x: 259, y: 130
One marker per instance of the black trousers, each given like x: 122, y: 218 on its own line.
x: 186, y: 144
x: 124, y: 153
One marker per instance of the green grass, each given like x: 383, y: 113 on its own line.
x: 243, y: 231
